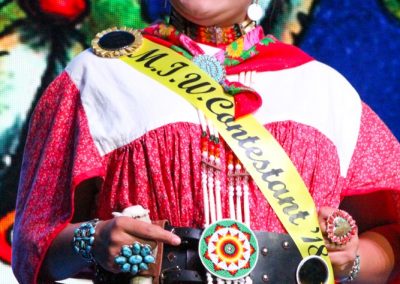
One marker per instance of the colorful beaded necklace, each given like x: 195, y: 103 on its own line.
x: 211, y: 35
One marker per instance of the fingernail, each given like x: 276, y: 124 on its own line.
x: 176, y: 240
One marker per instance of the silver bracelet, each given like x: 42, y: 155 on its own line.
x: 83, y: 239
x: 353, y: 272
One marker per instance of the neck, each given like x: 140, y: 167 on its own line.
x: 211, y: 35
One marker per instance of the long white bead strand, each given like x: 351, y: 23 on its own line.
x: 210, y: 183
x: 246, y: 205
x: 231, y: 185
x: 204, y: 159
x: 238, y: 186
x: 217, y: 169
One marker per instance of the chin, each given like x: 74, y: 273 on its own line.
x: 211, y: 12
x: 199, y: 12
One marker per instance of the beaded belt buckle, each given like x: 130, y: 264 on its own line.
x: 228, y: 249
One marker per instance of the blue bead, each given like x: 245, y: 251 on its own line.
x: 91, y: 240
x: 149, y: 259
x: 134, y: 269
x: 126, y: 267
x: 92, y: 230
x: 143, y: 266
x: 146, y: 250
x: 120, y: 260
x: 135, y: 259
x: 126, y: 251
x: 136, y: 248
x: 88, y: 248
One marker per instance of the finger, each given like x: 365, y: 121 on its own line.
x: 151, y: 232
x: 331, y: 247
x: 325, y: 211
x: 322, y: 225
x: 323, y: 214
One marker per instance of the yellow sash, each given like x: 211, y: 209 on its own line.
x: 257, y: 149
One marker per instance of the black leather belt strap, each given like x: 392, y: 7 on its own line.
x: 277, y: 262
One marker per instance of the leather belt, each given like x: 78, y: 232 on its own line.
x: 277, y: 262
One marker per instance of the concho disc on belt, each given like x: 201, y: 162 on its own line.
x: 228, y: 249
x: 116, y: 42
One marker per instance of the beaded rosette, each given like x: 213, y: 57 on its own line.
x: 228, y: 249
x: 340, y: 227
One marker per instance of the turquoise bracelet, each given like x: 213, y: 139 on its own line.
x: 83, y: 239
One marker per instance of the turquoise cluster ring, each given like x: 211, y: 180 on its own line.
x: 134, y: 258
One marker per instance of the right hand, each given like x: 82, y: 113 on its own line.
x: 112, y: 234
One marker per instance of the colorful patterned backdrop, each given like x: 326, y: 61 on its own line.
x: 38, y: 38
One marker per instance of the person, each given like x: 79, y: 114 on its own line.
x: 105, y: 136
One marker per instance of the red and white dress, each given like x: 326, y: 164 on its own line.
x: 101, y: 118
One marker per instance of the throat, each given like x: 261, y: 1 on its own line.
x: 210, y: 35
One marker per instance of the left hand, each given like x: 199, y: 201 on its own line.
x: 341, y: 256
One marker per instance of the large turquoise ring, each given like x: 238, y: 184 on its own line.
x: 134, y: 258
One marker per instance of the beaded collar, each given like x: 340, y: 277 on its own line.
x: 211, y: 35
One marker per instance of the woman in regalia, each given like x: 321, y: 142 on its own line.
x: 124, y: 139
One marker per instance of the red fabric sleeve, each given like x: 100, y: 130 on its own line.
x: 59, y: 154
x: 375, y: 163
x: 373, y: 183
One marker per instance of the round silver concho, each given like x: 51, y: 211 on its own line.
x: 312, y: 270
x: 211, y: 66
